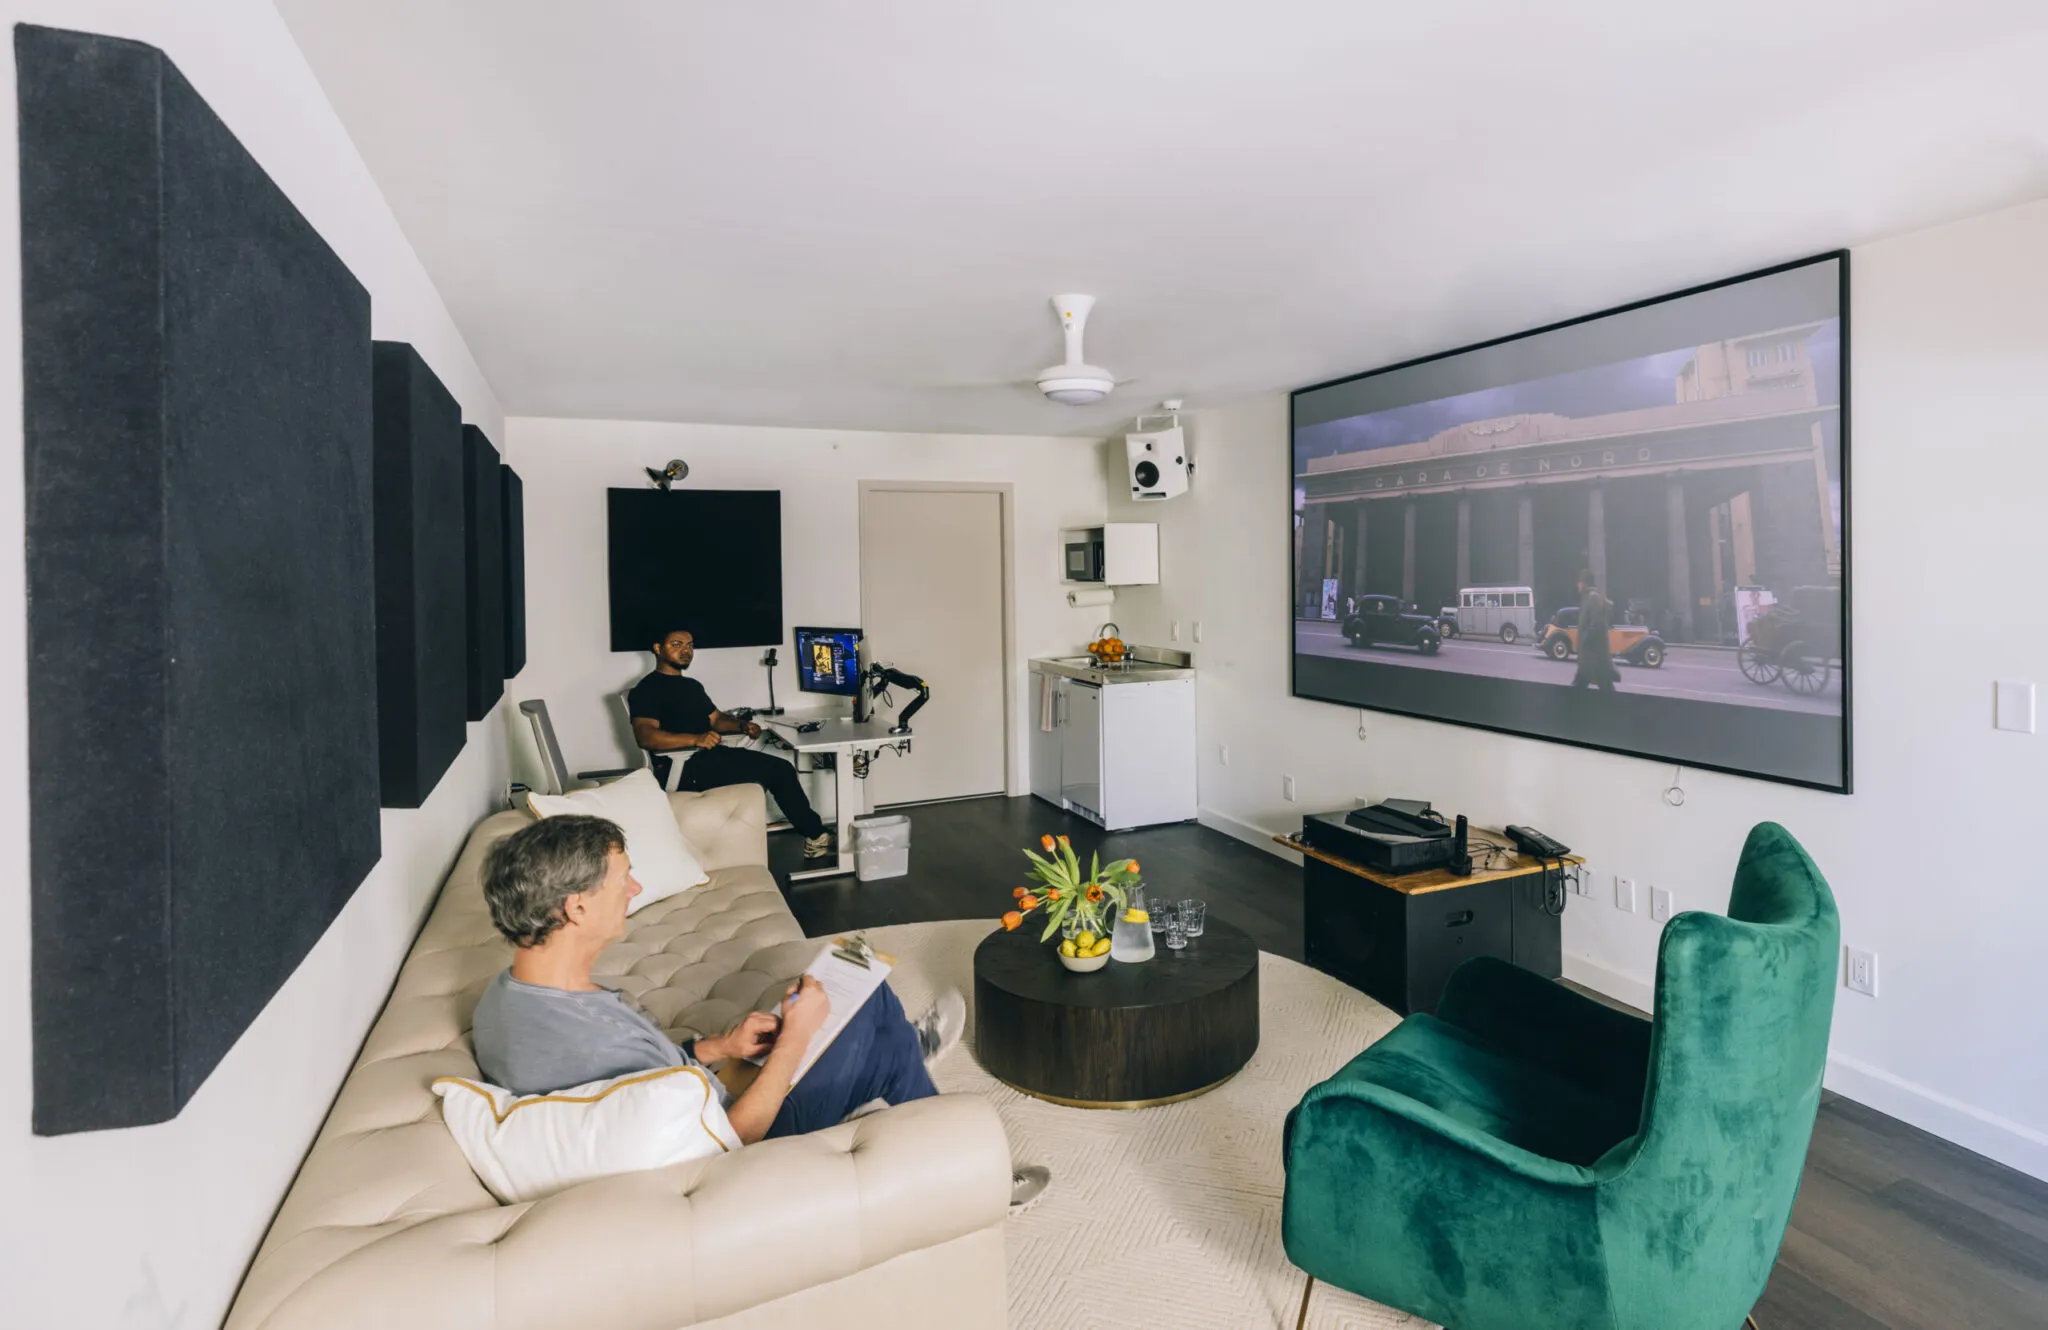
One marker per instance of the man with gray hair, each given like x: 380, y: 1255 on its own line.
x: 559, y: 890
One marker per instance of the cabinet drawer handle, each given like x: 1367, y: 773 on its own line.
x: 1457, y: 918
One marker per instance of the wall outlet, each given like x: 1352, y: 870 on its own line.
x: 1625, y: 894
x: 1660, y: 904
x: 1173, y: 633
x: 1287, y: 788
x: 1581, y: 882
x: 1223, y: 754
x: 2015, y: 707
x: 1198, y: 630
x: 1860, y: 974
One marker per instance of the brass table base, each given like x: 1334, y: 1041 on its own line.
x: 1065, y: 1102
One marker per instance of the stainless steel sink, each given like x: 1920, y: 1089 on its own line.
x: 1133, y: 668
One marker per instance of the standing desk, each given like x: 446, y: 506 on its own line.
x: 842, y: 737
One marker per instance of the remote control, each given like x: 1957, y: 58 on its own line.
x: 1531, y: 841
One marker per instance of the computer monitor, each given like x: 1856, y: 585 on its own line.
x: 828, y: 660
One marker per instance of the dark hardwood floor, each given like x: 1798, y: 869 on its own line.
x: 1894, y: 1228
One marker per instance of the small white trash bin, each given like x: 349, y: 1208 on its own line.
x: 881, y: 846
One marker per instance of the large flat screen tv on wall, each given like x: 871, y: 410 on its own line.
x: 1677, y: 467
x: 706, y: 560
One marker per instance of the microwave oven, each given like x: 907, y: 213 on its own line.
x: 1084, y: 559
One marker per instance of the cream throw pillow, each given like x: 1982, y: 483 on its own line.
x: 525, y: 1147
x: 662, y: 858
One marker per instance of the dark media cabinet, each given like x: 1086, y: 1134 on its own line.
x: 1397, y: 937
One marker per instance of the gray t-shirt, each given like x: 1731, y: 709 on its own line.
x: 532, y: 1039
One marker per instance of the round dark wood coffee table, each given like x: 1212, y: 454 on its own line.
x: 1126, y: 1036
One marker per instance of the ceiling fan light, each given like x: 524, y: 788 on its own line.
x: 1075, y: 385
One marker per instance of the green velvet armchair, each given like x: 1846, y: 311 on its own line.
x: 1528, y: 1159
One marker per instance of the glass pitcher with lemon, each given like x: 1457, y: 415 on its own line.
x: 1130, y: 937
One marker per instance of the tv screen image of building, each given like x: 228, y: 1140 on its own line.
x: 1675, y: 470
x: 828, y: 660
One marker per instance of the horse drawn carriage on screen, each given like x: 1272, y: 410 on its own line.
x: 1797, y: 641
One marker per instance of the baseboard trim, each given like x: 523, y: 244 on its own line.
x: 1238, y: 829
x: 1621, y: 987
x: 2000, y: 1139
x: 1996, y: 1138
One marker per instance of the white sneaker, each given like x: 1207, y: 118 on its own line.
x: 941, y: 1026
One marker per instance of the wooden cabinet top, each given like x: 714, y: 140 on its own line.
x: 1433, y: 879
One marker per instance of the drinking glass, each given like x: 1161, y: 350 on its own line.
x: 1194, y: 915
x: 1162, y: 911
x: 1176, y: 932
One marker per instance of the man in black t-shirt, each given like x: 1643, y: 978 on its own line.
x: 675, y: 721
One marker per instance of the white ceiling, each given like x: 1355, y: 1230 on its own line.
x: 849, y: 213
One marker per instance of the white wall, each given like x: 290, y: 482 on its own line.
x: 567, y: 465
x: 1932, y: 858
x: 153, y: 1226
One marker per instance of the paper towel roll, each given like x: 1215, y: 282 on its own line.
x: 1081, y: 597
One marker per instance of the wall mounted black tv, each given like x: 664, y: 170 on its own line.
x: 1677, y: 466
x: 706, y: 560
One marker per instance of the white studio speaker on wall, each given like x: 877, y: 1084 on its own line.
x: 1158, y: 461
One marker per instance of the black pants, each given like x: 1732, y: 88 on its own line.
x: 716, y: 768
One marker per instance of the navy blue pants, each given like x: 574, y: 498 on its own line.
x: 875, y: 1057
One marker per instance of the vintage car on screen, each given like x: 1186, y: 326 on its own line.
x: 1384, y: 621
x: 1637, y: 645
x: 1504, y: 611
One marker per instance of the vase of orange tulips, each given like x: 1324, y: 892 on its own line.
x: 1078, y: 906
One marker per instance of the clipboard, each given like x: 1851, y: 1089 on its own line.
x: 847, y: 985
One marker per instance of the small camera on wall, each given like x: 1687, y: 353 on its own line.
x: 1158, y: 461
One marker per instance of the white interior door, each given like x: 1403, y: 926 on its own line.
x: 931, y: 574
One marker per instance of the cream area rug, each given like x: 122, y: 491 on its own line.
x: 1168, y: 1216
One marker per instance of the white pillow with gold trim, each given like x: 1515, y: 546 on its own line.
x: 663, y: 861
x: 524, y: 1147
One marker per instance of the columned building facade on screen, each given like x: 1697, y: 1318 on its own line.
x: 1671, y: 506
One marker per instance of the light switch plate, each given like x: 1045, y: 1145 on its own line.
x: 1660, y: 904
x: 2015, y: 707
x: 1625, y: 894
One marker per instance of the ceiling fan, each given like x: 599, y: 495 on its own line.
x: 1072, y: 382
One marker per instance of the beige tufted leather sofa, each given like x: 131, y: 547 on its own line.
x: 894, y: 1219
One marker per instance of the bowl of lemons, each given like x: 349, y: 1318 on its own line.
x: 1084, y: 952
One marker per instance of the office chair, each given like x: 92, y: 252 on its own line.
x: 553, y: 767
x: 674, y: 780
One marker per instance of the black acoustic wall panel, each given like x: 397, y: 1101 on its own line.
x: 484, y: 553
x: 515, y: 573
x: 422, y: 640
x: 202, y: 654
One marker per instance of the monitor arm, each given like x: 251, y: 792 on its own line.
x: 882, y: 677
